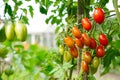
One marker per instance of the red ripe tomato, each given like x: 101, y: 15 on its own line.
x: 80, y: 42
x: 100, y: 52
x: 85, y: 67
x: 103, y: 39
x: 87, y: 57
x: 98, y: 15
x: 86, y: 24
x: 74, y: 52
x: 69, y: 41
x: 93, y: 43
x: 76, y: 32
x: 86, y: 39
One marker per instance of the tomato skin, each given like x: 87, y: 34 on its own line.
x: 87, y: 57
x: 74, y: 52
x: 85, y: 67
x: 86, y: 39
x: 80, y: 42
x: 98, y: 15
x: 69, y: 41
x: 93, y: 43
x: 86, y: 24
x: 76, y: 32
x: 103, y: 39
x: 100, y: 52
x: 95, y: 62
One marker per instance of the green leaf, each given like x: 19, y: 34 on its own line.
x: 106, y: 70
x: 43, y: 10
x: 7, y: 43
x: 58, y: 21
x: 8, y: 10
x: 107, y: 59
x: 61, y: 9
x: 6, y: 1
x: 19, y: 46
x: 19, y: 3
x: 25, y: 19
x: 92, y: 1
x: 48, y: 3
x: 24, y: 10
x: 48, y: 19
x: 102, y: 3
x: 55, y: 70
x: 5, y: 9
x: 15, y: 1
x: 36, y: 1
x: 57, y: 29
x: 116, y: 44
x: 31, y: 11
x: 53, y: 20
x: 56, y: 2
x: 27, y: 0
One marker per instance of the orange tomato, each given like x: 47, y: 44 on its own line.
x: 87, y: 57
x: 86, y: 24
x: 86, y: 39
x: 85, y: 67
x: 69, y: 41
x: 76, y: 32
x: 80, y: 42
x: 74, y: 52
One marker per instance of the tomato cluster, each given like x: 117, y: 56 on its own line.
x: 92, y: 50
x: 12, y: 30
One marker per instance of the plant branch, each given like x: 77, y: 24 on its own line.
x: 109, y: 11
x: 115, y: 2
x: 71, y: 70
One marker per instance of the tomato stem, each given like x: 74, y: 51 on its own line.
x: 115, y: 4
x: 109, y: 11
x: 71, y: 70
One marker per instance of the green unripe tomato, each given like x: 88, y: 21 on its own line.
x: 67, y: 56
x: 95, y: 62
x: 61, y: 49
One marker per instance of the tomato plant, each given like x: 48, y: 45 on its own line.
x: 83, y: 40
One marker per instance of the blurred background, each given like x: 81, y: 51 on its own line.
x: 38, y: 58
